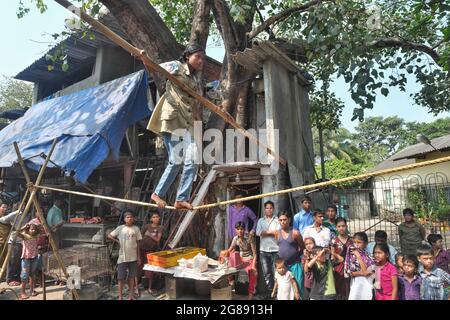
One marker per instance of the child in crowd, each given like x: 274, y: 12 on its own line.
x: 339, y: 245
x: 434, y: 280
x: 285, y: 284
x: 441, y: 256
x: 151, y: 234
x: 308, y: 276
x: 399, y: 262
x: 359, y: 266
x: 386, y: 284
x: 320, y: 233
x: 247, y: 251
x: 128, y: 237
x: 323, y: 287
x: 409, y: 282
x: 30, y: 234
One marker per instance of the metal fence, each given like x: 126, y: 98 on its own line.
x: 380, y: 207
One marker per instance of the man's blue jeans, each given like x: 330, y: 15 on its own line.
x: 268, y: 268
x: 175, y: 163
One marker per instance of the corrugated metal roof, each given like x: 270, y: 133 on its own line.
x: 389, y: 164
x: 408, y: 155
x: 81, y: 53
x: 420, y: 149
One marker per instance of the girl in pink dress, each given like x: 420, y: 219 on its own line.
x: 386, y: 282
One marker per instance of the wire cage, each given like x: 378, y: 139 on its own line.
x: 93, y: 259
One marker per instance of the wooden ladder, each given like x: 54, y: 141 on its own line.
x: 198, y: 199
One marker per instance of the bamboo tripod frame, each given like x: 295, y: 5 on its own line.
x: 153, y: 67
x: 269, y: 194
x: 34, y: 201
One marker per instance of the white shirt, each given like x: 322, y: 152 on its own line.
x: 285, y: 286
x: 128, y: 238
x: 268, y: 243
x: 321, y: 237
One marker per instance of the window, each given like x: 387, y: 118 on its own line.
x: 387, y: 197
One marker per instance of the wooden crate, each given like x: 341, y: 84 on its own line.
x: 169, y: 258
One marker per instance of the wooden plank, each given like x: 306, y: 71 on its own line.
x: 245, y: 182
x: 197, y: 201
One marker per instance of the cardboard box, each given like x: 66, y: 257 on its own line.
x: 174, y: 287
x: 221, y: 293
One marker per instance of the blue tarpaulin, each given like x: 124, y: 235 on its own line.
x: 89, y: 124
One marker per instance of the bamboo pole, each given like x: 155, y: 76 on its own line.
x: 269, y: 194
x: 42, y: 218
x: 28, y: 206
x: 158, y: 69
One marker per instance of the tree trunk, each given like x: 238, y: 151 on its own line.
x: 234, y: 78
x: 322, y: 155
x: 199, y: 35
x: 146, y: 30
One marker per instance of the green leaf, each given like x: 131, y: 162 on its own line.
x: 50, y: 67
x: 65, y: 66
x: 385, y: 92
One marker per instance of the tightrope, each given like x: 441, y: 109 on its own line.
x: 263, y: 195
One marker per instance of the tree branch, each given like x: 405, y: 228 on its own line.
x: 282, y: 16
x: 396, y: 42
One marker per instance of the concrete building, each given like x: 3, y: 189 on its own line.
x: 391, y: 190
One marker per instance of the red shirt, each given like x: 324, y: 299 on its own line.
x: 387, y: 271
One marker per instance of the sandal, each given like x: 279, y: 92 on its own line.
x: 34, y: 293
x: 154, y: 293
x: 23, y: 296
x: 14, y: 283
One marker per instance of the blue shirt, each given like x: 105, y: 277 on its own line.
x: 433, y: 284
x: 302, y: 220
x: 54, y: 216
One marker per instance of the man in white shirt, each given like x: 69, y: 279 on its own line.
x: 320, y: 234
x: 266, y: 229
x: 13, y: 268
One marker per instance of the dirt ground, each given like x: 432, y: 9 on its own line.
x: 56, y: 292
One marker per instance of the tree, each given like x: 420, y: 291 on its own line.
x: 372, y: 50
x: 14, y: 95
x: 337, y: 169
x: 326, y: 110
x: 380, y: 137
x: 435, y: 129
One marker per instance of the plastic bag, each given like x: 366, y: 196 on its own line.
x: 200, y: 263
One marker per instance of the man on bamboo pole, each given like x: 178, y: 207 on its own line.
x: 173, y: 119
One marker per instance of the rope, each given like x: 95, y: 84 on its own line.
x: 269, y: 194
x: 139, y: 203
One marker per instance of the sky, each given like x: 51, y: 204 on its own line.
x: 27, y: 39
